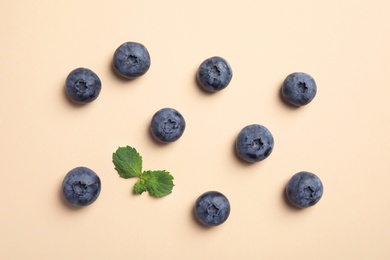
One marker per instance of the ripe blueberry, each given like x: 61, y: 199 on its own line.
x: 81, y: 186
x: 167, y: 125
x: 212, y: 208
x: 254, y: 143
x: 131, y: 60
x: 214, y: 74
x: 304, y: 189
x: 83, y: 85
x: 299, y: 89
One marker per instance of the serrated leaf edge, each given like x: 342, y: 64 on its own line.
x: 141, y: 175
x: 119, y: 158
x: 161, y: 191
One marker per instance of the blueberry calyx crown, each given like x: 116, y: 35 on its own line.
x: 213, y: 210
x: 132, y: 60
x: 81, y: 86
x: 214, y: 72
x: 256, y: 144
x: 79, y: 188
x: 170, y: 125
x: 302, y: 87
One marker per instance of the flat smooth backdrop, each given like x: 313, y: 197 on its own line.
x: 342, y: 136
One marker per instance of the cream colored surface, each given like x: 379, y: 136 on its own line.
x: 342, y: 136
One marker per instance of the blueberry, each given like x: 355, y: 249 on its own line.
x: 167, y: 125
x: 299, y: 89
x: 81, y: 186
x: 131, y: 60
x: 254, y: 143
x: 83, y: 85
x: 212, y: 208
x: 304, y: 189
x: 214, y: 74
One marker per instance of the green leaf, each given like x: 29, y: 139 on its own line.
x: 139, y: 186
x: 158, y: 183
x: 128, y: 162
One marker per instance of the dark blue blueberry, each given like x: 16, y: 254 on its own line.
x: 83, y: 85
x: 131, y: 60
x: 304, y: 189
x: 212, y: 208
x: 214, y: 74
x: 299, y: 89
x: 167, y: 125
x: 254, y: 143
x: 81, y: 186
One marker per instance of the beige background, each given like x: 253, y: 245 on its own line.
x: 342, y: 136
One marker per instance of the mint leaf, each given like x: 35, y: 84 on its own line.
x: 128, y: 162
x: 139, y: 186
x: 158, y: 183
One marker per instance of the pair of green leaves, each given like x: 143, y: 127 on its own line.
x: 128, y: 164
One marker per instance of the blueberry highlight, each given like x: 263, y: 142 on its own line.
x: 167, y: 125
x: 254, y: 143
x: 299, y: 89
x: 81, y: 186
x: 131, y: 60
x: 214, y: 74
x: 304, y: 189
x: 212, y: 208
x: 83, y: 85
